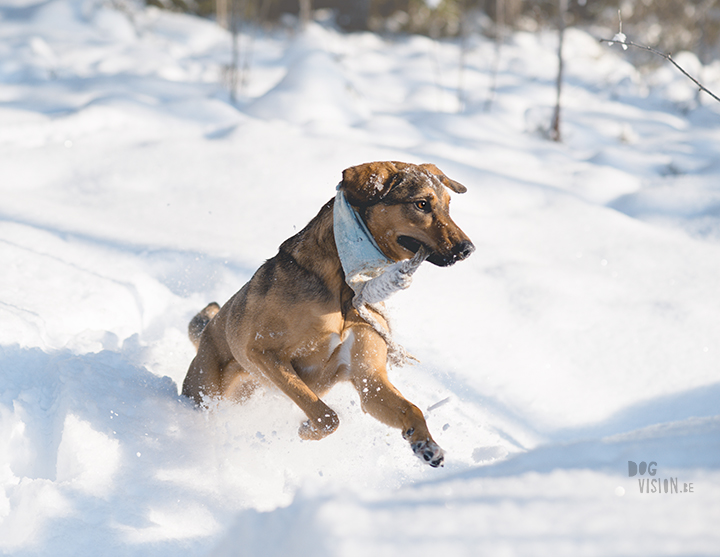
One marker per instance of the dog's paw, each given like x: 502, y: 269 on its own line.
x: 319, y: 427
x: 429, y: 452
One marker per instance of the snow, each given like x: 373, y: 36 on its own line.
x: 582, y: 334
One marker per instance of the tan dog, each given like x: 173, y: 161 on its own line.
x: 295, y: 323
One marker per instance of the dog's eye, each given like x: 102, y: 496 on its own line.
x: 423, y: 205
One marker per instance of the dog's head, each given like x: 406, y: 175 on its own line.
x: 406, y: 206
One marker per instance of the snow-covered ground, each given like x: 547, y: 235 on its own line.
x: 582, y: 334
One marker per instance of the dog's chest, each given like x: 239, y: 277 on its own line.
x: 324, y: 356
x: 340, y: 346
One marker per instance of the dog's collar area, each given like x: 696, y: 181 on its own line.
x: 359, y: 253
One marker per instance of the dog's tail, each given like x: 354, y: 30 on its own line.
x: 199, y: 322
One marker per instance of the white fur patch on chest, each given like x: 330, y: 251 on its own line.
x: 345, y: 342
x: 345, y: 353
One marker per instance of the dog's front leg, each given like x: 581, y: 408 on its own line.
x: 383, y: 401
x: 322, y: 420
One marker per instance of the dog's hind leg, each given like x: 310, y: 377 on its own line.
x: 238, y: 385
x: 200, y: 321
x: 203, y: 378
x: 209, y: 377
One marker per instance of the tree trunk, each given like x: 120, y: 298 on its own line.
x: 221, y: 13
x: 555, y: 134
x: 305, y: 13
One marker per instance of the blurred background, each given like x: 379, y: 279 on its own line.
x: 669, y: 25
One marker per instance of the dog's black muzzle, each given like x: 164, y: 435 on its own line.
x: 459, y: 252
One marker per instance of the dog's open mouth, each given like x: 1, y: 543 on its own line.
x: 409, y: 243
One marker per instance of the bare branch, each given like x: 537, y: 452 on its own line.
x: 667, y: 57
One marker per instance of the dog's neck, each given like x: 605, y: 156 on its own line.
x: 360, y: 256
x: 313, y: 248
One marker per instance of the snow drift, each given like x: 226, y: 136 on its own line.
x: 581, y: 335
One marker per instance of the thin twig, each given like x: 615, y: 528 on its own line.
x: 667, y: 57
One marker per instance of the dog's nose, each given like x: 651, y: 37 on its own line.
x: 463, y: 250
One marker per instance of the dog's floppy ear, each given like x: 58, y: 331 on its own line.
x: 457, y: 187
x: 368, y: 183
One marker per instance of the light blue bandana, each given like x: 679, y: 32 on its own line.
x: 360, y: 255
x: 372, y: 276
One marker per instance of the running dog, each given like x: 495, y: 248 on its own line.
x: 313, y: 315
